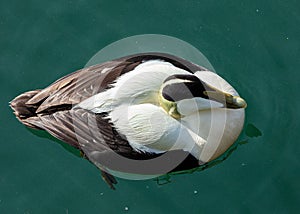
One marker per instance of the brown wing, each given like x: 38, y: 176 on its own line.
x: 78, y: 86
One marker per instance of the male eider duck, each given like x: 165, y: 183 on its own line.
x: 149, y: 114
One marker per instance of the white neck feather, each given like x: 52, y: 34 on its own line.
x: 140, y: 85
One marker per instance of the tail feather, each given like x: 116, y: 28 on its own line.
x: 23, y: 111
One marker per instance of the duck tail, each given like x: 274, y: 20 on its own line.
x: 22, y: 110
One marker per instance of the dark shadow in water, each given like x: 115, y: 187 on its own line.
x: 250, y: 131
x: 44, y: 134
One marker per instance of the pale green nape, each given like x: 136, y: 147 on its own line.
x: 169, y: 106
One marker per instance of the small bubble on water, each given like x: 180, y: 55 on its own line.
x: 126, y: 208
x: 195, y: 191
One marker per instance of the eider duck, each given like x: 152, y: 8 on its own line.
x: 146, y: 114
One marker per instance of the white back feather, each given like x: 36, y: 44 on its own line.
x: 136, y: 86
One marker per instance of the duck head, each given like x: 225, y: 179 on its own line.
x: 183, y: 94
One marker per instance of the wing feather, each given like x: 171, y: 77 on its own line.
x: 51, y: 108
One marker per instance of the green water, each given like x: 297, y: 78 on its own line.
x: 253, y: 44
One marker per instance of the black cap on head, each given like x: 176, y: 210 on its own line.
x: 183, y: 86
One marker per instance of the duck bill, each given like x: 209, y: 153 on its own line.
x: 229, y: 101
